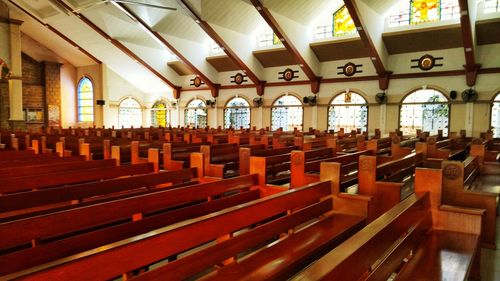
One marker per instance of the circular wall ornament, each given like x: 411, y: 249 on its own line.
x: 426, y: 62
x: 288, y: 74
x: 238, y: 78
x: 349, y: 69
x: 197, y: 81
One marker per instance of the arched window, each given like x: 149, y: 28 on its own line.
x: 237, y: 113
x: 348, y: 110
x: 424, y: 109
x: 287, y: 113
x: 85, y: 100
x: 160, y: 114
x: 419, y: 11
x: 130, y: 113
x: 495, y: 116
x: 195, y: 114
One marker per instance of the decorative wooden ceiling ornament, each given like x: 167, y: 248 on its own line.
x: 349, y: 69
x: 288, y: 74
x: 426, y: 62
x: 239, y: 78
x: 197, y: 82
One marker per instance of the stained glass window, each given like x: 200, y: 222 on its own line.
x: 160, y: 115
x: 491, y: 6
x: 268, y: 38
x: 348, y: 110
x: 495, y: 117
x: 130, y: 113
x: 419, y: 11
x: 424, y: 109
x: 342, y: 22
x: 85, y: 100
x: 195, y: 114
x: 237, y: 114
x: 286, y: 113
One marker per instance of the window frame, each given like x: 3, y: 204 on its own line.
x: 167, y: 109
x: 141, y: 107
x: 356, y: 104
x: 492, y: 103
x: 279, y: 97
x: 442, y: 92
x: 228, y: 107
x: 78, y: 98
x: 186, y: 108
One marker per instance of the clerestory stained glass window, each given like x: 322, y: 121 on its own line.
x: 85, y: 100
x: 287, y: 113
x: 424, y: 109
x: 195, y: 114
x: 160, y: 115
x: 419, y: 11
x: 491, y: 6
x: 342, y: 22
x: 130, y: 113
x: 348, y: 110
x: 495, y: 116
x: 237, y: 114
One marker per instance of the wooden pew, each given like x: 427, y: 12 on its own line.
x: 409, y: 240
x: 305, y: 167
x: 177, y: 155
x: 386, y: 181
x: 267, y: 218
x: 35, y: 168
x: 57, y: 198
x: 219, y: 161
x: 460, y: 180
x: 93, y: 225
x: 18, y: 184
x: 259, y: 150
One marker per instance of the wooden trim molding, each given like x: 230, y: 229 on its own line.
x: 471, y: 67
x: 382, y: 73
x: 218, y: 39
x: 144, y: 26
x: 278, y: 30
x: 51, y: 28
x: 11, y: 21
x: 117, y: 44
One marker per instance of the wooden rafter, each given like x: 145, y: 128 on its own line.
x: 118, y: 44
x: 382, y: 73
x: 471, y: 68
x: 51, y: 28
x: 278, y: 30
x: 214, y: 88
x: 227, y: 49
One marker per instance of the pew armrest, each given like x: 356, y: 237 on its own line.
x: 459, y: 219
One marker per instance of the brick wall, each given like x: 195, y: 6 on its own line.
x: 53, y: 92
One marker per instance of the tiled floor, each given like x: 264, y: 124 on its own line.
x: 490, y: 260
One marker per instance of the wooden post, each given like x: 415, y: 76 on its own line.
x: 197, y: 161
x: 27, y: 142
x: 154, y: 157
x: 85, y: 151
x: 106, y: 146
x: 115, y: 154
x: 60, y: 148
x: 35, y: 145
x: 134, y: 150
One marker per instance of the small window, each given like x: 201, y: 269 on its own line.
x: 268, y: 38
x: 85, y: 100
x: 195, y: 114
x: 425, y: 109
x: 420, y: 11
x: 237, y: 114
x: 491, y: 6
x: 160, y: 115
x: 130, y: 113
x: 287, y: 113
x: 495, y: 116
x: 348, y: 110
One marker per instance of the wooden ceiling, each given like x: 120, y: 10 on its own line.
x: 423, y: 39
x: 340, y: 49
x: 275, y: 57
x: 223, y: 63
x: 488, y: 31
x: 180, y: 67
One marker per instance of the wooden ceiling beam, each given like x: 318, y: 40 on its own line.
x: 51, y: 28
x: 382, y: 73
x: 205, y: 26
x: 278, y: 30
x: 118, y: 44
x: 471, y: 67
x: 214, y: 88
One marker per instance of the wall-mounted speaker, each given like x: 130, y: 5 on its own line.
x: 100, y: 102
x: 453, y: 95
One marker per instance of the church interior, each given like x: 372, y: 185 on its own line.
x: 249, y: 139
